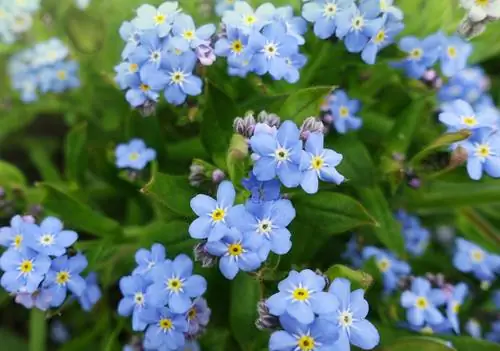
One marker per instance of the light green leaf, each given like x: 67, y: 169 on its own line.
x: 75, y: 152
x: 10, y: 176
x: 444, y: 140
x: 474, y: 227
x: 358, y: 279
x: 417, y: 343
x: 168, y: 233
x: 236, y: 159
x: 85, y: 31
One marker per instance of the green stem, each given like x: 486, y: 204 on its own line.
x: 38, y: 330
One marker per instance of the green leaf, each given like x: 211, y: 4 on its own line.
x: 218, y: 116
x: 245, y: 294
x: 237, y: 159
x: 86, y: 32
x: 41, y: 158
x: 444, y: 140
x: 77, y: 215
x: 358, y: 279
x: 12, y: 342
x: 388, y: 230
x: 13, y: 122
x: 174, y: 192
x: 474, y: 227
x: 10, y: 176
x: 75, y: 152
x: 168, y: 233
x: 486, y: 46
x: 467, y: 343
x: 417, y: 343
x: 304, y: 103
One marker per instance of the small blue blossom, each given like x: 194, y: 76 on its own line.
x: 262, y: 191
x: 422, y: 54
x: 458, y: 114
x: 134, y: 155
x: 234, y: 46
x: 324, y: 14
x: 237, y: 252
x: 343, y: 110
x: 50, y: 238
x: 244, y: 17
x: 294, y: 63
x: 469, y: 84
x: 212, y: 214
x: 23, y: 270
x: 421, y: 303
x: 318, y: 163
x: 198, y: 317
x: 222, y: 6
x: 91, y: 294
x: 301, y: 296
x: 165, y: 329
x: 454, y: 54
x: 160, y: 19
x: 132, y: 36
x: 416, y: 237
x: 146, y: 85
x: 146, y: 260
x: 187, y: 36
x: 64, y: 275
x: 350, y: 314
x: 279, y: 155
x: 381, y: 39
x: 386, y: 7
x: 295, y: 26
x: 483, y: 150
x: 14, y: 236
x: 40, y: 299
x: 320, y: 335
x: 469, y: 257
x: 135, y: 299
x: 174, y: 284
x: 454, y: 303
x: 390, y: 267
x: 180, y: 78
x: 473, y: 328
x: 150, y: 50
x: 494, y: 334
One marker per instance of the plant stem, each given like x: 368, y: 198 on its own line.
x: 38, y: 330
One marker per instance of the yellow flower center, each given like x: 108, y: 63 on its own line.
x: 133, y: 156
x: 477, y: 256
x: 384, y: 264
x: 235, y: 249
x: 452, y: 51
x: 421, y: 303
x: 47, y: 239
x: 343, y: 111
x: 230, y: 1
x: 218, y: 214
x: 455, y: 307
x: 174, y: 284
x: 166, y: 324
x: 188, y: 35
x: 317, y: 162
x: 178, y: 77
x: 192, y: 314
x: 380, y: 37
x: 469, y: 121
x: 18, y: 240
x: 237, y: 46
x: 383, y: 5
x: 26, y: 266
x: 159, y: 18
x: 427, y: 331
x: 133, y: 67
x: 61, y: 75
x: 482, y: 3
x: 416, y: 54
x: 62, y: 277
x: 249, y: 20
x: 306, y: 343
x: 300, y: 294
x: 281, y: 154
x: 144, y: 87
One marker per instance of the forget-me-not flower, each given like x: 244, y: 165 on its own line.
x: 494, y: 334
x: 324, y: 14
x: 473, y: 328
x: 469, y: 257
x: 483, y: 150
x: 134, y: 155
x: 262, y: 191
x: 390, y: 267
x: 165, y: 329
x: 185, y: 34
x: 180, y: 78
x: 458, y: 114
x: 91, y: 294
x: 453, y: 304
x: 381, y: 39
x: 146, y: 85
x: 147, y: 259
x: 23, y: 270
x: 150, y: 50
x: 234, y: 46
x: 50, y: 238
x: 222, y: 6
x: 131, y: 35
x: 198, y: 316
x: 244, y: 17
x: 343, y: 111
x: 478, y: 10
x: 454, y: 54
x: 386, y: 7
x: 422, y: 54
x: 14, y: 236
x: 301, y: 296
x: 135, y: 299
x: 160, y: 19
x: 295, y: 26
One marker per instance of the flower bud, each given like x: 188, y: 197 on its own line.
x: 201, y: 255
x: 311, y: 125
x: 148, y: 108
x: 205, y: 54
x: 218, y: 176
x: 245, y: 126
x: 270, y: 119
x: 266, y: 320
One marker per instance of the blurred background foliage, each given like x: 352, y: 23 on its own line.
x: 58, y: 152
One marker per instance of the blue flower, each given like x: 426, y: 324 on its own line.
x: 198, y: 317
x: 343, y: 111
x: 458, y: 114
x: 317, y: 162
x: 320, y: 335
x: 295, y: 26
x: 473, y: 328
x: 269, y: 220
x: 224, y: 5
x: 147, y: 260
x: 150, y: 50
x: 41, y: 299
x: 416, y: 237
x: 213, y: 214
x: 62, y: 76
x: 483, y: 149
x: 237, y: 252
x: 24, y: 270
x: 135, y: 299
x: 278, y: 155
x: 174, y: 284
x: 494, y: 335
x: 165, y: 329
x: 64, y: 274
x: 429, y: 329
x: 15, y: 236
x: 262, y: 191
x: 454, y: 303
x: 349, y: 316
x: 146, y: 85
x: 234, y: 46
x: 59, y: 332
x: 301, y: 296
x: 381, y: 39
x: 181, y: 80
x: 294, y: 63
x: 356, y: 26
x: 270, y: 50
x: 496, y: 299
x: 392, y: 13
x: 161, y: 19
x: 244, y: 17
x: 131, y: 35
x: 134, y: 155
x: 50, y: 238
x: 91, y: 294
x: 469, y: 257
x: 324, y: 14
x: 422, y: 54
x: 391, y: 268
x: 421, y: 303
x: 454, y: 55
x: 187, y: 36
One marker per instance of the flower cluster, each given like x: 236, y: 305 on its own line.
x: 391, y: 269
x: 341, y: 111
x: 452, y: 53
x: 366, y: 27
x: 37, y: 266
x: 44, y: 68
x: 469, y: 257
x: 162, y: 51
x: 134, y: 155
x: 314, y: 319
x: 416, y: 237
x: 478, y: 11
x: 470, y: 84
x: 165, y: 300
x: 16, y: 18
x: 266, y: 40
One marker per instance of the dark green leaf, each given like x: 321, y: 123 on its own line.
x: 75, y: 152
x: 416, y: 343
x: 358, y: 279
x: 478, y: 229
x: 12, y: 342
x: 304, y: 103
x: 41, y: 158
x: 444, y: 140
x: 168, y: 233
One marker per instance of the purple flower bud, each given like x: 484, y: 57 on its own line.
x: 311, y: 125
x: 148, y: 108
x: 218, y: 176
x: 201, y: 255
x: 29, y: 219
x: 205, y: 54
x: 266, y: 320
x: 270, y: 119
x: 328, y: 118
x: 415, y: 183
x: 244, y: 126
